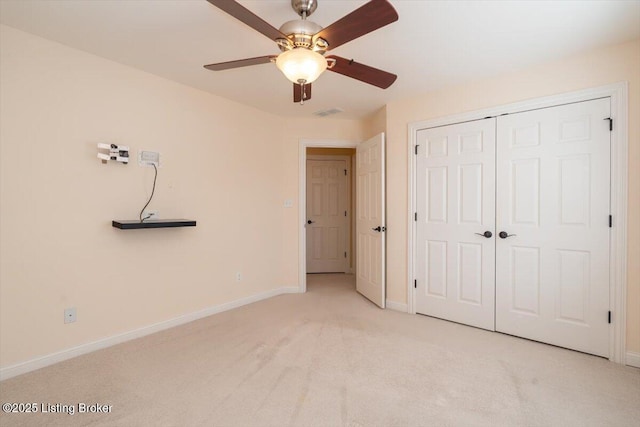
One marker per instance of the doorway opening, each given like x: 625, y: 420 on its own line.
x: 370, y: 227
x: 327, y: 233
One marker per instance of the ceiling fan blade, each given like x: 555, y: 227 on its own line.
x: 240, y: 63
x: 364, y: 73
x: 373, y: 15
x: 243, y: 14
x: 297, y: 92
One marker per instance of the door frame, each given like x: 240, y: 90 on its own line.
x: 348, y: 196
x: 303, y: 144
x: 619, y: 184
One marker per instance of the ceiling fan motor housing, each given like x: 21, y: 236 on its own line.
x: 301, y: 33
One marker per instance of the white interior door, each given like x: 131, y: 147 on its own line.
x: 553, y: 200
x: 370, y: 220
x: 455, y: 261
x: 326, y: 216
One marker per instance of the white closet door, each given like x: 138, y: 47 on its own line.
x: 370, y: 220
x: 455, y: 262
x: 552, y: 275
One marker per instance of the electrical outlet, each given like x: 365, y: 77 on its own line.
x: 70, y: 315
x: 150, y: 215
x: 238, y: 277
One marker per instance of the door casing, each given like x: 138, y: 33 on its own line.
x: 619, y: 183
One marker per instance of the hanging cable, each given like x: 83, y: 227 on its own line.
x: 152, y: 191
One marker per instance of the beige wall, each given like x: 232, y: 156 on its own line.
x: 596, y: 68
x: 57, y: 246
x: 376, y: 123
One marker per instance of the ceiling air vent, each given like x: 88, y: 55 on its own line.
x: 328, y: 112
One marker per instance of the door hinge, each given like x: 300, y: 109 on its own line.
x: 345, y: 172
x: 609, y: 316
x: 415, y: 216
x: 610, y: 123
x: 345, y: 254
x: 610, y: 221
x: 416, y: 149
x: 415, y: 284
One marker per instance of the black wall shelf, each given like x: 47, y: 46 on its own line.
x: 157, y: 223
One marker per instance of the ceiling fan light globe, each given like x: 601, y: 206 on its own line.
x: 301, y: 64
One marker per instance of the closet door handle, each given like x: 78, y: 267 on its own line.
x: 310, y: 222
x: 504, y: 234
x: 486, y: 234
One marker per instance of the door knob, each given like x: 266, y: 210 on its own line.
x: 504, y: 234
x: 379, y: 229
x: 486, y: 234
x: 310, y: 222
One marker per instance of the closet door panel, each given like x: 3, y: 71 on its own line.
x: 455, y: 262
x: 552, y: 272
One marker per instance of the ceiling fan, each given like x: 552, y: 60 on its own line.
x: 304, y: 43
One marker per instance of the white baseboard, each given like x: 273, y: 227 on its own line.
x: 50, y: 359
x: 397, y: 306
x: 633, y: 359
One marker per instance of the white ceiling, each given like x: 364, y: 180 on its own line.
x: 434, y: 44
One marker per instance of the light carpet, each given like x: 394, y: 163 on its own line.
x: 330, y: 358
